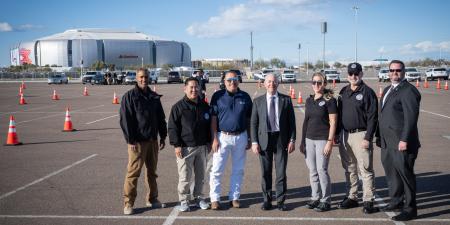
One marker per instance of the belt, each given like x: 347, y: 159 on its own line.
x: 232, y: 133
x: 273, y: 133
x: 355, y: 130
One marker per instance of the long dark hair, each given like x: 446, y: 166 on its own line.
x: 327, y: 93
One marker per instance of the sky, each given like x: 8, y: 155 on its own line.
x: 396, y: 29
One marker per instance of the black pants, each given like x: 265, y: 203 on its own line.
x: 399, y: 169
x: 266, y: 158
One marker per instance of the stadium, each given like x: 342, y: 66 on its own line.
x: 83, y: 47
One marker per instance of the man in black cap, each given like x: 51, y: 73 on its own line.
x: 358, y: 113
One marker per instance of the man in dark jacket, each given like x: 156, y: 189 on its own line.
x: 189, y: 132
x: 142, y: 118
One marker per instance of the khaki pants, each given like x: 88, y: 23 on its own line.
x: 146, y: 153
x: 356, y: 159
x: 193, y: 163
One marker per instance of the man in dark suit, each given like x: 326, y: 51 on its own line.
x: 399, y: 141
x: 272, y: 128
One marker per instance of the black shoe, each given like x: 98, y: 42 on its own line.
x: 266, y: 206
x: 281, y: 207
x: 312, y: 204
x: 404, y: 216
x: 394, y: 208
x: 322, y: 207
x: 368, y: 208
x: 348, y: 203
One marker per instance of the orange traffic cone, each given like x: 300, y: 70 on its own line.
x: 22, y: 100
x: 85, y: 92
x: 115, y: 99
x: 293, y: 93
x: 380, y: 91
x: 334, y: 83
x: 20, y: 90
x: 300, y: 99
x: 68, y: 122
x: 290, y: 88
x: 154, y: 88
x: 23, y: 85
x: 55, y: 96
x: 425, y: 84
x: 438, y: 85
x: 12, y: 138
x: 417, y: 83
x: 446, y: 86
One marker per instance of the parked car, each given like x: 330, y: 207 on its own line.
x: 130, y: 77
x: 331, y: 75
x: 258, y: 75
x: 412, y: 74
x: 288, y: 76
x: 383, y: 75
x: 89, y: 75
x: 438, y: 72
x: 174, y: 76
x: 154, y: 75
x: 59, y: 78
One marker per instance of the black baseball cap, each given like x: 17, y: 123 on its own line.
x: 354, y: 68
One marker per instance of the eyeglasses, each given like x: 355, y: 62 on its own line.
x: 395, y: 70
x: 232, y: 79
x: 317, y: 82
x: 353, y: 74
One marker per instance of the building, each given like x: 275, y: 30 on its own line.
x: 83, y: 47
x: 220, y: 62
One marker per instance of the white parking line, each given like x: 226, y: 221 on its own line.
x: 44, y: 117
x: 102, y: 119
x: 390, y: 214
x: 28, y: 110
x: 437, y: 114
x: 46, y: 177
x: 218, y: 218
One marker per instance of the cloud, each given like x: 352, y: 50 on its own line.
x: 257, y: 15
x: 5, y: 27
x: 425, y: 47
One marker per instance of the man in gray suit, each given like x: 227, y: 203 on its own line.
x: 272, y: 128
x: 399, y: 141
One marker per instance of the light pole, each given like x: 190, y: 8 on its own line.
x: 299, y: 63
x: 307, y: 60
x: 324, y: 31
x: 356, y: 8
x: 81, y: 58
x: 251, y: 50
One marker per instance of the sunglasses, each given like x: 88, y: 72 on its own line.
x: 317, y: 82
x: 395, y: 70
x: 353, y: 74
x: 231, y: 79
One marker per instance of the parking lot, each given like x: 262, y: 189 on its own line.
x: 77, y: 177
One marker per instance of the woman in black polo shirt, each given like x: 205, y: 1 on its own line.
x: 319, y: 128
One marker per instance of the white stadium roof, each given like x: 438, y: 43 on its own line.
x: 99, y: 34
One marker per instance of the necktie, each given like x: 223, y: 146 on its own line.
x: 387, y: 93
x: 272, y: 116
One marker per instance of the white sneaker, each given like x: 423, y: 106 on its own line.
x: 183, y: 207
x: 202, y: 204
x: 128, y: 210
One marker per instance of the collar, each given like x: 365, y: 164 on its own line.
x: 270, y: 96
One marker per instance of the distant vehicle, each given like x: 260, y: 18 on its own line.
x: 331, y: 75
x: 288, y: 76
x: 438, y: 72
x: 238, y: 73
x: 258, y: 76
x: 174, y: 76
x: 154, y: 75
x: 412, y: 74
x: 263, y: 73
x: 130, y: 77
x: 59, y: 78
x: 205, y: 75
x: 89, y: 75
x: 383, y: 75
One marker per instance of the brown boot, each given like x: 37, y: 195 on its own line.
x: 215, y: 205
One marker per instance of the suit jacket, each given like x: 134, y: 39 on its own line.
x: 258, y: 121
x: 398, y: 117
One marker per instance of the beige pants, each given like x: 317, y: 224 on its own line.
x: 356, y: 159
x: 193, y: 163
x: 146, y: 153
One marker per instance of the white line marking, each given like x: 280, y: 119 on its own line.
x: 135, y: 217
x: 437, y: 114
x: 27, y: 110
x: 390, y: 214
x: 172, y: 217
x: 102, y: 119
x: 448, y: 137
x: 44, y: 117
x: 46, y: 177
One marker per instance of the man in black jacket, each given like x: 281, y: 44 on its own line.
x: 189, y: 132
x: 399, y: 141
x: 142, y: 118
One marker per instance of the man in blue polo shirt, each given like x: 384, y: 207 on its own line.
x: 231, y: 112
